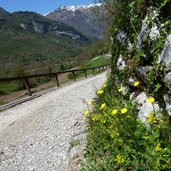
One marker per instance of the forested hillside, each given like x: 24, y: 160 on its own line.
x: 30, y: 40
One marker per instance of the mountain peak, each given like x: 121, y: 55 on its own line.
x: 80, y: 17
x: 74, y: 8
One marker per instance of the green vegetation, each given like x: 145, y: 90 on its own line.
x: 126, y: 131
x: 2, y: 103
x: 100, y: 48
x: 97, y: 61
x: 30, y: 44
x: 118, y: 140
x: 8, y: 87
x: 28, y: 39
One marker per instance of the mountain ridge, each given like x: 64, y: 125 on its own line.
x: 83, y: 18
x: 74, y: 8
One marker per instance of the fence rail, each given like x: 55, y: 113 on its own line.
x: 55, y: 74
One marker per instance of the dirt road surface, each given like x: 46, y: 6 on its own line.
x: 38, y: 135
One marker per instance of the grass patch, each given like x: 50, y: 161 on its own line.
x: 2, y: 102
x: 97, y: 61
x: 8, y: 87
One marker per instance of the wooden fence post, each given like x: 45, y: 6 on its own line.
x: 27, y: 86
x: 57, y: 80
x: 93, y: 71
x: 85, y: 72
x: 73, y: 73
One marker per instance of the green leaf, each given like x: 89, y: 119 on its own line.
x: 158, y: 86
x: 131, y: 5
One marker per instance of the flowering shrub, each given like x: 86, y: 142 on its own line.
x: 118, y: 140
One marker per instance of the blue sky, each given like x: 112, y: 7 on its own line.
x: 40, y: 6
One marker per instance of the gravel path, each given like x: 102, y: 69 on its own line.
x: 45, y: 133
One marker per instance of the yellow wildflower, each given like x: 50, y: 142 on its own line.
x: 90, y: 102
x: 150, y: 100
x: 100, y: 92
x: 120, y: 90
x: 158, y: 148
x: 152, y: 119
x: 104, y: 86
x: 120, y: 159
x: 124, y: 110
x: 136, y: 83
x: 114, y: 112
x: 86, y: 113
x: 103, y: 106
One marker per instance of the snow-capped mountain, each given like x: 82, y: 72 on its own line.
x: 80, y: 7
x: 83, y: 18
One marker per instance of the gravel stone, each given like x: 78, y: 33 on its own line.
x: 36, y: 135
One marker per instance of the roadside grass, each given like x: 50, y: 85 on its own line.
x: 2, y: 102
x: 8, y: 87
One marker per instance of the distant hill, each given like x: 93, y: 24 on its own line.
x: 26, y: 37
x: 83, y: 18
x: 3, y: 12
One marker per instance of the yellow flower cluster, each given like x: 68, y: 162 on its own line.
x: 123, y: 111
x: 152, y: 119
x: 100, y: 92
x: 120, y: 159
x: 151, y: 100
